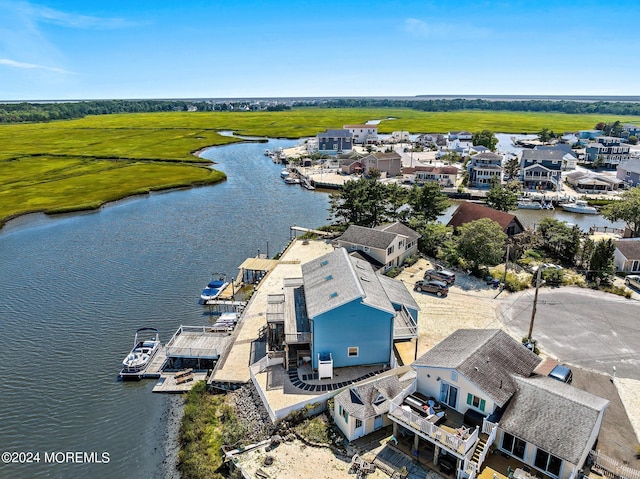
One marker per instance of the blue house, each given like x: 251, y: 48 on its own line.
x: 541, y: 168
x: 333, y: 142
x: 611, y: 151
x: 341, y: 313
x: 629, y: 172
x: 484, y: 166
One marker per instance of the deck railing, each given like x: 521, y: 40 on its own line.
x: 297, y: 338
x: 404, y: 326
x: 611, y: 468
x: 427, y: 429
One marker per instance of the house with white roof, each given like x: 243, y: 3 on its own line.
x: 363, y: 134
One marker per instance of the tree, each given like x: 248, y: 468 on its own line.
x: 601, y: 264
x: 502, y: 198
x: 481, y: 242
x: 434, y: 236
x: 562, y: 242
x: 485, y: 138
x: 626, y: 209
x: 600, y: 125
x: 633, y: 140
x: 512, y: 167
x: 428, y: 201
x: 544, y: 135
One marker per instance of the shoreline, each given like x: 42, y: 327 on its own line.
x: 171, y: 441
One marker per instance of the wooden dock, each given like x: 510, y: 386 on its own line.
x: 175, y: 383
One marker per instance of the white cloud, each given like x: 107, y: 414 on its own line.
x: 40, y: 13
x: 15, y: 64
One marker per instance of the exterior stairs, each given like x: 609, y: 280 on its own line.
x: 480, y: 446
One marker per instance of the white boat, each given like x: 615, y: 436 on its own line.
x: 136, y: 362
x: 579, y: 206
x: 292, y: 181
x: 528, y: 204
x: 213, y: 289
x: 284, y: 172
x: 548, y: 206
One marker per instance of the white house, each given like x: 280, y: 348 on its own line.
x: 365, y: 134
x: 385, y: 246
x: 362, y: 409
x: 626, y: 257
x: 482, y: 380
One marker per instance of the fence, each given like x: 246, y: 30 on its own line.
x: 612, y: 468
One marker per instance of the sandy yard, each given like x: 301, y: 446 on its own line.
x: 295, y: 460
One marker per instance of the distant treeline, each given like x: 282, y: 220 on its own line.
x: 42, y: 112
x: 557, y: 106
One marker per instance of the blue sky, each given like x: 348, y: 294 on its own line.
x: 237, y: 48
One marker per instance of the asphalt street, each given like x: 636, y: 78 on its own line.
x: 579, y: 327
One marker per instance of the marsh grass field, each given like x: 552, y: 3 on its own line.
x: 81, y: 164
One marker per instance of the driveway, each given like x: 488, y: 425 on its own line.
x: 580, y: 327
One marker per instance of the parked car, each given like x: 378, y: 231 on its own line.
x: 632, y: 280
x: 561, y: 373
x: 445, y: 275
x: 439, y: 288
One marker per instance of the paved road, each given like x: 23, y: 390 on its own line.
x: 580, y: 327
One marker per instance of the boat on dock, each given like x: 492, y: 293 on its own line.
x: 291, y: 180
x: 529, y: 204
x: 144, y: 350
x: 284, y: 173
x: 213, y: 289
x: 579, y: 206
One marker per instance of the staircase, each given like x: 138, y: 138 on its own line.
x: 480, y: 446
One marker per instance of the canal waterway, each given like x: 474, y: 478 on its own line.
x: 75, y: 289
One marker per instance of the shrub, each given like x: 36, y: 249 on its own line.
x: 393, y: 272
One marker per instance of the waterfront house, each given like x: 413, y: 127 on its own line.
x: 626, y: 257
x: 590, y: 182
x: 629, y: 172
x: 482, y: 381
x: 333, y: 142
x: 363, y: 134
x: 388, y: 245
x: 363, y: 408
x: 445, y: 176
x: 609, y: 151
x: 431, y: 140
x: 467, y: 212
x: 541, y: 168
x: 388, y: 164
x: 321, y: 317
x: 629, y: 129
x: 482, y: 167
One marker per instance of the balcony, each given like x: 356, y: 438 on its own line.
x: 404, y: 326
x: 460, y: 444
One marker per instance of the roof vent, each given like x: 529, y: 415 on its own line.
x: 324, y: 263
x: 333, y: 295
x: 327, y: 278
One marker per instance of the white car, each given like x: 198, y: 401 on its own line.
x: 633, y: 280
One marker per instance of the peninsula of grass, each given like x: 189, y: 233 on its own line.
x: 82, y: 164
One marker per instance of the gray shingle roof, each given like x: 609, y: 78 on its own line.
x: 554, y: 416
x: 632, y: 165
x: 335, y: 134
x: 359, y: 400
x: 487, y: 357
x: 336, y: 279
x: 487, y: 156
x: 370, y: 237
x: 399, y: 228
x: 545, y: 154
x: 630, y: 248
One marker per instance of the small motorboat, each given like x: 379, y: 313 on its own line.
x: 213, y: 289
x: 284, y: 173
x: 136, y: 362
x: 528, y: 204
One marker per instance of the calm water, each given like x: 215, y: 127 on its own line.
x: 75, y: 289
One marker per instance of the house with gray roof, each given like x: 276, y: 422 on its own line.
x: 542, y: 167
x: 608, y: 150
x: 629, y: 172
x: 483, y: 167
x: 626, y: 256
x: 363, y: 408
x: 389, y: 244
x: 486, y: 377
x: 333, y: 142
x: 340, y: 313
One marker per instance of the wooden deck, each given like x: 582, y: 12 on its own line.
x: 197, y: 342
x: 168, y: 383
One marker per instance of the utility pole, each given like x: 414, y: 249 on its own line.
x: 535, y: 301
x: 506, y: 264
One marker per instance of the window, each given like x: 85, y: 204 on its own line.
x: 448, y: 394
x: 454, y: 375
x: 344, y: 414
x: 358, y: 423
x: 547, y: 462
x: 476, y: 402
x: 390, y: 250
x: 352, y: 352
x: 515, y: 446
